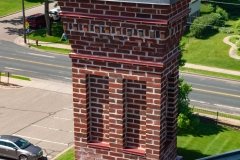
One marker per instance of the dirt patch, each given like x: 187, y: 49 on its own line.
x: 5, y: 85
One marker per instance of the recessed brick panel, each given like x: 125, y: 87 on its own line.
x: 99, y: 108
x: 135, y: 114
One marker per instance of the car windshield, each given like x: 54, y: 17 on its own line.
x: 53, y: 12
x: 22, y: 143
x: 30, y: 19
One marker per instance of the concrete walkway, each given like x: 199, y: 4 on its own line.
x: 232, y: 51
x: 40, y: 84
x: 212, y: 69
x: 20, y: 41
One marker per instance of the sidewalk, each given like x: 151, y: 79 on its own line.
x: 20, y: 41
x: 40, y: 84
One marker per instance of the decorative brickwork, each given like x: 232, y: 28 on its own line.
x: 125, y: 77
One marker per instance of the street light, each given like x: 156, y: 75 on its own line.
x: 24, y: 27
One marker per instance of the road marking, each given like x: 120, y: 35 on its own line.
x: 45, y: 127
x: 50, y: 128
x: 68, y: 109
x: 198, y: 101
x: 35, y: 54
x: 220, y: 105
x: 225, y: 94
x: 215, y: 87
x: 41, y: 140
x: 67, y: 119
x: 36, y: 72
x: 35, y: 62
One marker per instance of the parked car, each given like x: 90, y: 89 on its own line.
x: 36, y: 20
x: 18, y: 148
x: 53, y: 14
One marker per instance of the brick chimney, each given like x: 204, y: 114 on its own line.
x: 125, y: 76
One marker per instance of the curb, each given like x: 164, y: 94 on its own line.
x: 17, y: 41
x: 65, y: 150
x: 198, y: 74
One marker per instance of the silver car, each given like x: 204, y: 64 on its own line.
x: 18, y: 148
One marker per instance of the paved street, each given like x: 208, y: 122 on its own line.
x: 214, y: 94
x: 32, y: 63
x: 45, y: 118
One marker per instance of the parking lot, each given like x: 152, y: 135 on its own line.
x: 44, y: 118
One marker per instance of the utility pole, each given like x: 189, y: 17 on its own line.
x: 24, y: 26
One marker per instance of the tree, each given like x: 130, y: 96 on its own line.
x: 48, y: 20
x: 186, y: 118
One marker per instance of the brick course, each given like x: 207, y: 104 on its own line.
x: 125, y: 77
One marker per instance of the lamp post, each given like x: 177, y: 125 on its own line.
x: 24, y: 26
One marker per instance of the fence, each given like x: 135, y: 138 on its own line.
x: 217, y: 114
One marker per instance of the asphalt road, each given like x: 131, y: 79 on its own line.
x: 33, y: 63
x: 213, y: 93
x: 209, y: 93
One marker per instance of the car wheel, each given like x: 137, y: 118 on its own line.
x: 39, y: 26
x: 23, y: 157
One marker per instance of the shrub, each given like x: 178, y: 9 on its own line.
x: 226, y: 30
x: 205, y: 23
x: 238, y: 44
x: 222, y: 13
x: 237, y: 25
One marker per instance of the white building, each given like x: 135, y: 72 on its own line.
x: 195, y: 10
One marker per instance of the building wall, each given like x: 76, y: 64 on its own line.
x: 125, y: 77
x: 194, y: 5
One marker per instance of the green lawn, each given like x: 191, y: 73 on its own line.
x: 69, y: 155
x: 57, y: 31
x: 52, y: 49
x: 211, y: 51
x: 10, y: 6
x: 206, y: 140
x: 18, y: 77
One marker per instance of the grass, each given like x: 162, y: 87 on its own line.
x: 57, y: 31
x: 205, y: 8
x: 52, y: 49
x: 18, y: 77
x: 69, y: 155
x: 209, y: 73
x: 211, y: 51
x: 206, y: 140
x: 12, y: 6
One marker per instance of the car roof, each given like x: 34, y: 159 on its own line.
x: 9, y: 137
x: 36, y: 15
x: 55, y: 9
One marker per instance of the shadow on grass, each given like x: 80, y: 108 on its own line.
x: 203, y: 129
x: 210, y: 33
x: 190, y: 154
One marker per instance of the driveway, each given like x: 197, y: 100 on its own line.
x: 11, y: 26
x: 45, y: 118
